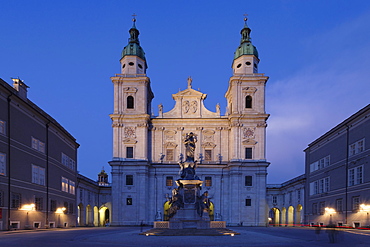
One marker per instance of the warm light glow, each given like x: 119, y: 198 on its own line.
x: 364, y: 208
x: 232, y: 234
x: 60, y: 210
x: 28, y: 207
x: 330, y: 210
x: 147, y: 234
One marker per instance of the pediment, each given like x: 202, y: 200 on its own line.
x: 170, y: 145
x: 249, y: 142
x: 129, y: 141
x: 208, y: 145
x: 189, y: 92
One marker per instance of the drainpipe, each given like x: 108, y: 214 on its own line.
x: 47, y: 174
x: 347, y: 158
x: 8, y: 168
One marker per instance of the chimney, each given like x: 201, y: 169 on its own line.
x: 21, y: 87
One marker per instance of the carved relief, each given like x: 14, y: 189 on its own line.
x: 193, y: 106
x: 208, y: 135
x: 249, y: 90
x: 129, y: 132
x: 249, y: 133
x: 262, y: 124
x: 129, y: 141
x: 170, y: 145
x: 169, y: 135
x: 130, y: 89
x: 190, y: 107
x: 208, y: 145
x: 249, y: 142
x: 142, y: 125
x: 186, y: 106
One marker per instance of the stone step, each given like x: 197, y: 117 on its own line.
x: 189, y: 232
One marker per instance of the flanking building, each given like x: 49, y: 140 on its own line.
x: 37, y: 164
x: 230, y: 148
x: 286, y: 202
x: 337, y: 169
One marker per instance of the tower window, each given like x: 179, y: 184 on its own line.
x: 169, y: 155
x: 130, y: 152
x: 130, y: 102
x: 123, y: 66
x: 248, y: 63
x: 140, y: 66
x: 128, y: 201
x: 129, y: 179
x: 248, y: 153
x: 131, y: 63
x: 239, y: 65
x: 248, y: 180
x: 248, y: 101
x: 248, y: 202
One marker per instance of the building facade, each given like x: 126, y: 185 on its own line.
x: 93, y: 200
x: 338, y: 174
x: 286, y: 202
x: 230, y: 148
x: 37, y: 164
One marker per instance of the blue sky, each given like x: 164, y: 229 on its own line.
x: 315, y: 52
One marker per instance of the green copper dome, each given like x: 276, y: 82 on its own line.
x: 246, y: 47
x: 133, y: 48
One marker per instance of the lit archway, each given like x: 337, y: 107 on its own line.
x: 291, y: 216
x: 283, y: 216
x: 298, y: 219
x: 275, y: 216
x: 80, y: 214
x: 211, y: 211
x: 96, y: 216
x: 104, y: 216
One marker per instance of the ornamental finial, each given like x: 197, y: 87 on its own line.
x: 134, y: 18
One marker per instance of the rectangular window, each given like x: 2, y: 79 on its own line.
x: 274, y: 199
x: 248, y: 181
x: 355, y: 203
x: 355, y: 175
x: 357, y: 147
x: 248, y: 153
x: 68, y: 162
x: 208, y: 181
x: 248, y: 202
x: 339, y: 205
x: 16, y: 200
x: 39, y: 203
x: 38, y: 175
x: 129, y: 201
x: 38, y: 145
x: 2, y: 127
x: 169, y: 154
x: 169, y: 181
x: 129, y: 180
x: 53, y: 205
x: 64, y: 184
x: 66, y: 206
x: 207, y: 155
x: 320, y: 164
x: 129, y: 152
x: 72, y: 187
x: 2, y: 164
x: 71, y: 211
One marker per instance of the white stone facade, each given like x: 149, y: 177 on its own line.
x: 230, y: 149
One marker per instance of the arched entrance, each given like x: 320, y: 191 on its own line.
x: 291, y: 216
x: 298, y: 219
x: 104, y: 216
x: 96, y: 216
x: 275, y: 216
x: 283, y: 216
x: 211, y: 211
x: 80, y: 214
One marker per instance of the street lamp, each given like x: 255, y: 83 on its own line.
x: 28, y: 208
x: 330, y: 211
x: 60, y: 211
x: 365, y: 208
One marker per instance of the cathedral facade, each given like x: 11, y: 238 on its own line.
x: 230, y: 149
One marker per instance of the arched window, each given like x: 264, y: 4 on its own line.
x: 130, y: 102
x: 248, y: 101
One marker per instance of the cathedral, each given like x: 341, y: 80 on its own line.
x: 230, y: 149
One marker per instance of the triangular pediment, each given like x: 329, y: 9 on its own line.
x: 189, y: 92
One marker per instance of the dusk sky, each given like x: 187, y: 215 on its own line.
x: 316, y: 53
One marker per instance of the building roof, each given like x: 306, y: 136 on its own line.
x: 133, y: 48
x: 246, y: 47
x: 42, y: 113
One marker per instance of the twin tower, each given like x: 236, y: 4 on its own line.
x: 230, y: 149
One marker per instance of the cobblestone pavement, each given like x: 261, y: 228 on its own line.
x: 129, y: 236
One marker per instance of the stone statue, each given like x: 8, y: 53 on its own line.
x: 176, y: 203
x: 190, y: 140
x: 203, y: 203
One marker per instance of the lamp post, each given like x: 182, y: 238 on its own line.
x: 366, y: 208
x: 60, y: 211
x: 330, y: 211
x: 28, y: 208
